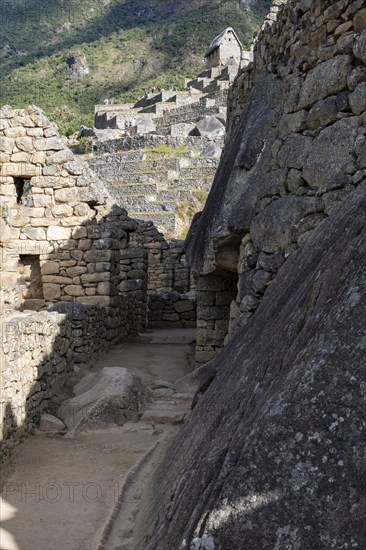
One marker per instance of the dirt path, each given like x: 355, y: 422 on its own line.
x: 83, y: 493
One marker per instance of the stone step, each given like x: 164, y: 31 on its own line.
x: 150, y: 165
x: 166, y: 219
x: 124, y: 190
x: 157, y: 98
x: 128, y: 178
x: 188, y: 185
x: 173, y: 195
x: 143, y: 204
x: 198, y: 83
x: 165, y: 413
x: 214, y: 72
x: 196, y: 172
x: 216, y: 86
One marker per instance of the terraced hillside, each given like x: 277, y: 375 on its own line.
x: 67, y: 55
x: 166, y: 186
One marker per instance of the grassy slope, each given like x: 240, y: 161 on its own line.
x: 127, y: 45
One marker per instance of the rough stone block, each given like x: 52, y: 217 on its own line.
x: 25, y: 144
x: 51, y: 292
x: 271, y: 228
x: 130, y: 285
x: 50, y: 268
x: 327, y: 78
x: 184, y: 305
x: 57, y: 233
x: 359, y: 48
x: 7, y: 144
x: 294, y: 151
x: 330, y: 152
x: 34, y: 233
x: 97, y: 255
x: 95, y: 277
x: 74, y: 290
x: 357, y: 99
x: 208, y: 284
x: 48, y: 144
x: 66, y: 195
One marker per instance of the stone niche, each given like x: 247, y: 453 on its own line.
x: 30, y: 282
x: 23, y: 190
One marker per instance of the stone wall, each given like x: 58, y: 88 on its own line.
x: 95, y: 329
x: 214, y: 296
x: 40, y: 353
x: 36, y: 361
x: 172, y: 309
x: 71, y: 284
x: 149, y: 141
x: 295, y: 148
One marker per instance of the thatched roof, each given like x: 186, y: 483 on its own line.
x: 219, y: 39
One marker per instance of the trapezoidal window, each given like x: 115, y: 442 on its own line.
x: 23, y: 189
x: 30, y: 278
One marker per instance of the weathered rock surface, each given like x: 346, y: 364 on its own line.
x: 295, y: 150
x: 209, y: 127
x: 111, y: 396
x: 273, y: 454
x: 51, y: 424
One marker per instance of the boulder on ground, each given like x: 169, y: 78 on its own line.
x: 51, y: 424
x: 209, y: 127
x: 212, y: 150
x: 112, y: 396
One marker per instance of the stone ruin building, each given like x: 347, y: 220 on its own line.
x: 77, y: 273
x: 161, y: 167
x: 225, y: 49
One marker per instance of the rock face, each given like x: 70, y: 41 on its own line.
x: 295, y: 150
x: 77, y: 66
x: 273, y: 454
x: 112, y: 396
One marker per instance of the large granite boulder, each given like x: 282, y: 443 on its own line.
x: 111, y: 396
x: 273, y: 456
x: 209, y: 127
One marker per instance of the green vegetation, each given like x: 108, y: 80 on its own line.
x: 162, y: 148
x: 5, y: 454
x: 126, y: 46
x: 186, y: 210
x: 85, y: 145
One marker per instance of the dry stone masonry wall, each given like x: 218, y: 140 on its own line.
x: 295, y: 149
x: 72, y: 261
x: 36, y: 362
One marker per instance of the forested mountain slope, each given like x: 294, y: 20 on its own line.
x: 67, y: 55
